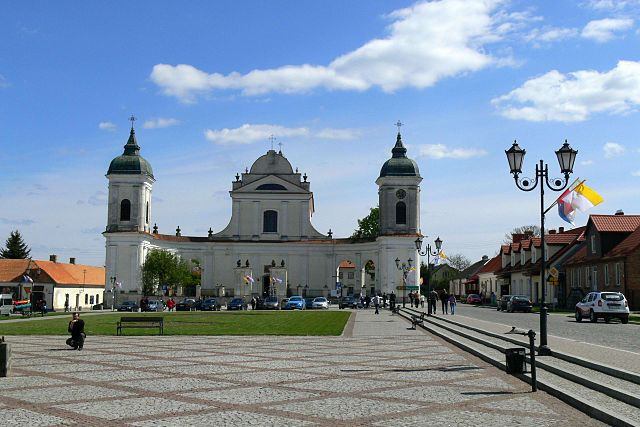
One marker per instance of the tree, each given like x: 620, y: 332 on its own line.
x: 533, y: 230
x: 164, y: 268
x: 460, y: 263
x: 369, y: 226
x: 15, y: 248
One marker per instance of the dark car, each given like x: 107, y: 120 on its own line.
x: 348, y: 302
x: 237, y: 304
x: 187, y: 304
x: 210, y: 304
x: 128, y: 306
x: 308, y: 303
x: 519, y: 303
x: 502, y: 302
x: 270, y: 303
x: 97, y: 307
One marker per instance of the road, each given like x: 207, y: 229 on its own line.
x: 614, y: 334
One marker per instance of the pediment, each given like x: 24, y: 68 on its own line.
x: 270, y: 184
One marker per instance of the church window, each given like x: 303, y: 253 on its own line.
x: 271, y: 187
x: 270, y: 222
x: 125, y: 210
x: 401, y: 213
x: 147, y: 213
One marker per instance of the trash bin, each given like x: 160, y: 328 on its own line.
x: 515, y: 360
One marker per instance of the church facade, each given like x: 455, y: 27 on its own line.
x: 270, y: 246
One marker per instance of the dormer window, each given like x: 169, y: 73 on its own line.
x: 593, y: 244
x: 522, y: 258
x: 534, y: 255
x: 513, y: 258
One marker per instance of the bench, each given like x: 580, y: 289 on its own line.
x: 417, y: 320
x: 140, y: 322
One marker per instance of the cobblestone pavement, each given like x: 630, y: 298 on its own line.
x: 363, y: 378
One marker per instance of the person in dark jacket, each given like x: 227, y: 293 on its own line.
x: 76, y: 329
x: 444, y: 298
x: 433, y: 298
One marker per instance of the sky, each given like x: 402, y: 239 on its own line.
x: 209, y: 82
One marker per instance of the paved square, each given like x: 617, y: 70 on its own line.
x: 378, y: 373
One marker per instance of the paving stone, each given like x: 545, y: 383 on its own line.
x: 248, y: 395
x: 436, y: 394
x: 26, y: 381
x: 175, y: 384
x: 522, y: 404
x: 492, y: 383
x: 61, y: 394
x: 226, y: 418
x: 274, y: 377
x: 345, y: 408
x: 22, y: 417
x: 112, y: 375
x: 129, y: 408
x: 469, y: 419
x: 345, y: 385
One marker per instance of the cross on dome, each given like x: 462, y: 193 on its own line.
x: 132, y: 119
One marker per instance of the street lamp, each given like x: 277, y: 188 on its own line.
x: 405, y: 268
x: 428, y: 254
x: 566, y: 158
x: 113, y: 291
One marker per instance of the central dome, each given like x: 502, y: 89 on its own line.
x: 271, y: 163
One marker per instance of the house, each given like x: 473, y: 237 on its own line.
x: 608, y: 260
x: 467, y: 281
x: 77, y: 286
x: 487, y: 277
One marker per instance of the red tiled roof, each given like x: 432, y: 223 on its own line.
x: 73, y: 274
x: 347, y: 264
x: 536, y: 241
x: 559, y: 239
x: 492, y: 266
x: 615, y: 223
x: 577, y: 230
x: 515, y: 247
x: 627, y: 246
x: 525, y: 244
x: 11, y: 270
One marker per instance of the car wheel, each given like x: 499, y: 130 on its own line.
x: 607, y: 319
x: 498, y: 308
x: 578, y: 316
x: 625, y: 319
x: 592, y: 317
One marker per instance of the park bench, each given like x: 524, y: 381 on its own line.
x: 417, y: 320
x: 140, y: 322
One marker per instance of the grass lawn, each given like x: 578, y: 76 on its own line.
x: 37, y: 314
x: 198, y: 323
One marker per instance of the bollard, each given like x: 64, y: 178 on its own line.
x: 5, y: 358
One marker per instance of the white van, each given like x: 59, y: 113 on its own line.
x: 6, y: 304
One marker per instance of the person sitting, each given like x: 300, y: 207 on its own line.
x: 76, y: 329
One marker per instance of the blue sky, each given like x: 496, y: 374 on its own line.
x: 210, y: 81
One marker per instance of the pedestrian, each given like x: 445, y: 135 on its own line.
x: 376, y: 303
x: 76, y: 329
x: 384, y: 300
x: 433, y: 298
x: 66, y: 304
x: 392, y: 301
x: 422, y: 300
x: 444, y: 299
x: 253, y: 303
x: 367, y: 301
x: 171, y: 304
x: 452, y: 304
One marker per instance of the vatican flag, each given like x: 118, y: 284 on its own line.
x: 584, y: 198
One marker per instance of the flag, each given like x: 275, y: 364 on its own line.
x: 584, y: 198
x: 277, y: 280
x: 26, y: 279
x: 565, y: 208
x: 248, y: 279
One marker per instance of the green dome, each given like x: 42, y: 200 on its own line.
x: 399, y: 164
x: 130, y: 162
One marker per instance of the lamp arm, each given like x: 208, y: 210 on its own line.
x: 556, y: 184
x: 525, y: 184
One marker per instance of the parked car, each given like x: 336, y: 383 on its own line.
x: 237, y: 304
x: 502, y: 302
x: 187, y: 304
x: 603, y: 305
x: 6, y: 304
x: 519, y: 303
x: 270, y: 303
x: 320, y: 302
x: 295, y: 303
x: 474, y: 299
x: 155, y: 305
x: 210, y: 304
x: 308, y: 303
x: 128, y: 306
x: 348, y: 302
x: 284, y: 302
x: 97, y: 307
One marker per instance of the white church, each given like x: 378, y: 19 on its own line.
x: 270, y: 246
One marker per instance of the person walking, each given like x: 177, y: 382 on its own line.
x: 76, y: 329
x: 376, y: 303
x: 384, y: 300
x: 433, y: 298
x: 452, y: 304
x: 392, y: 301
x: 171, y: 304
x: 444, y: 299
x: 422, y: 300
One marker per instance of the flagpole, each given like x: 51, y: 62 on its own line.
x: 571, y: 188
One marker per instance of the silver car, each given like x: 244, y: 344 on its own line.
x: 320, y: 302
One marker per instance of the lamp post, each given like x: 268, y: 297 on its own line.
x: 113, y: 291
x: 428, y: 254
x: 405, y: 268
x: 566, y: 158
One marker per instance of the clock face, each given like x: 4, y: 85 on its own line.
x: 401, y: 194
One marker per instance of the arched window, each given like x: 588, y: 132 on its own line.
x: 125, y: 210
x: 401, y: 213
x: 270, y: 222
x: 147, y: 215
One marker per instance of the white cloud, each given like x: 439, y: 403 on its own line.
x: 160, y: 123
x: 3, y: 82
x: 613, y: 149
x: 603, y: 30
x: 441, y: 151
x: 107, y: 126
x: 249, y: 133
x: 427, y: 42
x: 586, y: 162
x: 614, y: 5
x: 636, y: 173
x: 573, y: 97
x: 539, y: 36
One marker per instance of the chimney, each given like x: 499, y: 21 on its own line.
x: 560, y: 230
x: 619, y: 212
x: 72, y: 260
x: 484, y: 257
x: 517, y: 238
x: 53, y: 258
x: 552, y: 231
x: 528, y: 233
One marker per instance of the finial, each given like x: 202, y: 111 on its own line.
x: 238, y: 263
x: 237, y: 177
x: 132, y: 119
x: 330, y: 233
x: 296, y: 170
x: 246, y: 170
x: 246, y: 263
x: 399, y: 124
x: 305, y: 177
x: 155, y: 228
x: 273, y: 263
x: 210, y: 232
x: 282, y: 263
x: 280, y: 147
x: 178, y: 231
x: 272, y: 138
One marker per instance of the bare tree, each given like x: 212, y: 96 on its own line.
x: 460, y: 263
x: 524, y: 229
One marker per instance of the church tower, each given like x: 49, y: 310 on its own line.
x: 399, y: 193
x: 130, y: 183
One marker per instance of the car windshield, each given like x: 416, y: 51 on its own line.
x: 612, y: 296
x: 320, y: 299
x: 521, y: 299
x: 210, y: 301
x: 295, y: 299
x: 271, y: 299
x: 474, y: 296
x: 236, y: 301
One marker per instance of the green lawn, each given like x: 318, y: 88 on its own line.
x: 198, y: 323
